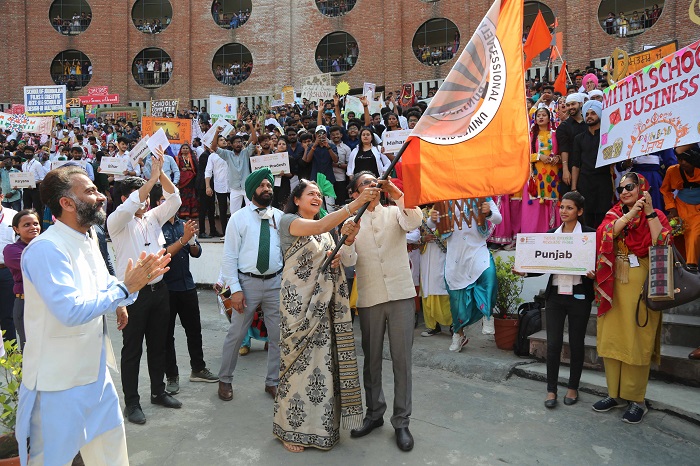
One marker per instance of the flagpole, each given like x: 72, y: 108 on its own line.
x: 549, y: 61
x: 362, y: 209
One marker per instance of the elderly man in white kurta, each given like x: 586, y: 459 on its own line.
x: 385, y: 301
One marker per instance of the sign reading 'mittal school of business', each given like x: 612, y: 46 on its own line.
x: 561, y: 253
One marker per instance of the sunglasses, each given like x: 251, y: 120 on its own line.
x: 627, y: 187
x: 368, y: 181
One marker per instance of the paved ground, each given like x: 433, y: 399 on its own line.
x: 466, y: 410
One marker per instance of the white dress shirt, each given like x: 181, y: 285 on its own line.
x: 7, y: 234
x: 34, y: 166
x: 129, y: 165
x: 217, y: 168
x: 241, y: 244
x: 131, y: 234
x: 343, y: 156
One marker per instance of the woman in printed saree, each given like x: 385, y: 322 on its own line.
x: 319, y: 381
x: 627, y: 348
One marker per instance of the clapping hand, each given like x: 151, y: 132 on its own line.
x: 147, y: 268
x: 191, y: 229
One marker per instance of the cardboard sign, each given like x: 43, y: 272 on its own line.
x: 113, y: 165
x: 226, y: 129
x: 393, y: 140
x: 560, y: 253
x: 288, y: 95
x: 22, y: 180
x: 652, y: 109
x: 139, y: 151
x: 158, y: 142
x: 317, y: 93
x: 277, y: 163
x: 160, y: 108
x: 45, y: 100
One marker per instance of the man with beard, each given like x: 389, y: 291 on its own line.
x: 68, y: 402
x: 250, y: 269
x: 595, y: 184
x: 76, y: 154
x: 134, y: 228
x: 238, y: 161
x: 566, y: 132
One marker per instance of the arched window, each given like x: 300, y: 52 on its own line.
x: 436, y: 41
x: 70, y: 17
x: 72, y: 68
x: 152, y: 68
x: 627, y: 18
x: 231, y: 14
x: 152, y: 16
x: 337, y: 53
x: 232, y: 64
x: 335, y: 7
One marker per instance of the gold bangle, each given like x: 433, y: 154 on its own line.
x: 180, y: 241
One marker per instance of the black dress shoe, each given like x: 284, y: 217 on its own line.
x: 368, y: 426
x: 165, y: 400
x: 571, y: 401
x: 404, y: 439
x: 134, y: 414
x: 551, y: 403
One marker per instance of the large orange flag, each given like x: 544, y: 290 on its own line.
x: 560, y: 83
x: 473, y: 139
x: 539, y: 39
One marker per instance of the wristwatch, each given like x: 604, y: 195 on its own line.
x: 652, y: 215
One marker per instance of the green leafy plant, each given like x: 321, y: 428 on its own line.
x: 10, y: 381
x: 510, y: 286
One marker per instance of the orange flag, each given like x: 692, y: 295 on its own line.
x: 473, y: 140
x: 560, y: 83
x: 558, y: 43
x: 539, y: 39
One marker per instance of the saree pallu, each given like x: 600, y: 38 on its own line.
x: 319, y: 380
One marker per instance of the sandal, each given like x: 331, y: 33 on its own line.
x: 292, y: 447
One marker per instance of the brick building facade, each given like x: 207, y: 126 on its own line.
x: 282, y: 36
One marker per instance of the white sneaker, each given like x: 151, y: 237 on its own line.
x: 458, y: 342
x: 488, y: 326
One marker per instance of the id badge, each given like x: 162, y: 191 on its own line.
x: 565, y: 284
x: 634, y: 260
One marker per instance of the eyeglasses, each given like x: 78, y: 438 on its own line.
x: 627, y: 187
x: 368, y: 181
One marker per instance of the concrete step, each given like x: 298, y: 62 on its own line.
x: 677, y: 399
x: 677, y: 329
x: 675, y: 364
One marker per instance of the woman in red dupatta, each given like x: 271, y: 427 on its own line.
x: 627, y: 349
x: 187, y: 163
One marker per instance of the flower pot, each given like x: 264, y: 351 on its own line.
x: 506, y: 332
x: 8, y: 448
x: 10, y: 461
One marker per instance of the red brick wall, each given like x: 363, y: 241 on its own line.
x: 282, y: 36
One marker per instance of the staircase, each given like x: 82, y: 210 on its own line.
x: 680, y: 334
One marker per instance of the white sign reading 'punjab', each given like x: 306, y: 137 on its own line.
x: 22, y: 180
x: 113, y: 165
x: 560, y: 253
x: 277, y: 163
x: 393, y: 140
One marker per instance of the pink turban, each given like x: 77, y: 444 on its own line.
x: 590, y: 77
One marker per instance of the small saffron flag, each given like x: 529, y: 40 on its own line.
x: 539, y: 39
x: 473, y: 141
x: 560, y: 83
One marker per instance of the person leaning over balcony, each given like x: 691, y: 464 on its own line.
x: 567, y: 296
x: 627, y: 349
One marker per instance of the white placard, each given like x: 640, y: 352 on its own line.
x: 277, y: 163
x: 59, y: 163
x: 159, y: 139
x: 139, y: 151
x: 368, y: 89
x: 22, y: 180
x: 226, y: 129
x: 317, y: 92
x: 113, y: 165
x: 393, y: 140
x: 560, y: 253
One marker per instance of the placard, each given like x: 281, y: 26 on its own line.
x: 223, y: 107
x: 59, y: 163
x: 21, y: 180
x: 638, y: 61
x: 177, y: 130
x: 26, y: 124
x: 45, y: 100
x: 160, y: 108
x: 113, y: 165
x: 393, y: 140
x: 368, y: 89
x: 317, y: 93
x: 99, y: 99
x: 277, y: 163
x: 140, y: 150
x: 158, y: 141
x: 652, y: 109
x: 560, y: 253
x: 226, y: 129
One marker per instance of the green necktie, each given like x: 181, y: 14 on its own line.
x: 264, y: 247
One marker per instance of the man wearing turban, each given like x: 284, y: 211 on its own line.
x: 250, y: 270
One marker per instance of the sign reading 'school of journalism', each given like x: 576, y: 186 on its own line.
x: 44, y: 100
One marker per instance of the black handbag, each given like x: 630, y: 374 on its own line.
x: 686, y: 286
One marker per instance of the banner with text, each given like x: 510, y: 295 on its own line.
x: 177, y: 130
x: 223, y: 107
x: 44, y: 100
x: 277, y: 163
x: 561, y: 253
x: 393, y: 140
x: 316, y: 93
x: 26, y: 124
x: 162, y: 107
x: 652, y: 109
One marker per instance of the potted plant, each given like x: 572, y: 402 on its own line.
x: 508, y: 298
x: 10, y: 381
